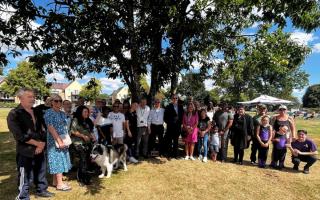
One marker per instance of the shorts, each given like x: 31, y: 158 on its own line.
x: 214, y: 148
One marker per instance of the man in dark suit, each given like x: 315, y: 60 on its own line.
x: 173, y: 117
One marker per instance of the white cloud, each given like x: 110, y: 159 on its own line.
x: 316, y: 48
x: 257, y: 12
x: 208, y: 83
x: 302, y: 38
x: 59, y: 77
x: 109, y: 85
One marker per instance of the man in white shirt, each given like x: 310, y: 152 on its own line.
x: 155, y: 127
x: 118, y: 124
x: 142, y: 122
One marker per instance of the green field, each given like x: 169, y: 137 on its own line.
x: 179, y: 179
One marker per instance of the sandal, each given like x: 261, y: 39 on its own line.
x: 64, y: 188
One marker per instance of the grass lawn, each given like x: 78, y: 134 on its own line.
x: 179, y: 179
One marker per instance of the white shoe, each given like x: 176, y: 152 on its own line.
x: 205, y: 159
x: 192, y: 158
x: 186, y: 158
x: 133, y: 160
x: 200, y: 157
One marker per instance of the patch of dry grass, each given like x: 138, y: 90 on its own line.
x: 180, y: 179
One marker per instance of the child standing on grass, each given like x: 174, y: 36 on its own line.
x: 214, y: 143
x: 279, y: 147
x: 204, y: 126
x: 264, y: 135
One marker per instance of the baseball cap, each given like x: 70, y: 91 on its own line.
x: 283, y: 107
x: 262, y: 106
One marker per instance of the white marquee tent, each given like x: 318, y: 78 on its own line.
x: 265, y: 99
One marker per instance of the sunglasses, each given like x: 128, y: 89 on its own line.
x: 57, y: 101
x: 157, y: 102
x: 282, y: 109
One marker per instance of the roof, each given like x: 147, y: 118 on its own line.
x: 117, y: 91
x: 59, y: 86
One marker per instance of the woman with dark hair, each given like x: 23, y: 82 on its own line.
x: 190, y: 123
x: 82, y: 138
x: 242, y: 131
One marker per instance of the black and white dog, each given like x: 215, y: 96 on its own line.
x: 108, y: 156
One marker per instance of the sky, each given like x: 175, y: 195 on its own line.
x: 311, y: 64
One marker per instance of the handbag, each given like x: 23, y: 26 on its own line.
x: 65, y: 139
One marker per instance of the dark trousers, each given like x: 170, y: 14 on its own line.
x: 310, y: 160
x: 131, y: 143
x: 223, y: 151
x: 171, y: 140
x: 28, y: 169
x: 262, y: 155
x: 82, y: 151
x: 254, y: 148
x: 278, y: 155
x: 156, y: 131
x: 238, y: 154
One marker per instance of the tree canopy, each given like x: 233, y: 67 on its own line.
x: 25, y: 75
x: 91, y: 90
x: 311, y: 99
x: 127, y: 39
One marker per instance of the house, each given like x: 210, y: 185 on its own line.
x: 67, y: 91
x: 4, y: 97
x: 121, y: 93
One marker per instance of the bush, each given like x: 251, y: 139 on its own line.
x: 8, y: 105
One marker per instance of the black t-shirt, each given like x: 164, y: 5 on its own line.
x: 132, y: 118
x: 203, y: 123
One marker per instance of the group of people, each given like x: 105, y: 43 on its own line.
x: 55, y: 135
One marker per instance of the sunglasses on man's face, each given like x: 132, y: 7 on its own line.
x: 57, y: 101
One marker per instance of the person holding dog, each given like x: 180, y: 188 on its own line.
x: 82, y: 138
x: 30, y: 146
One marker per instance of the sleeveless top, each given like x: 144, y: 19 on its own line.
x: 278, y: 123
x: 264, y: 133
x: 282, y: 143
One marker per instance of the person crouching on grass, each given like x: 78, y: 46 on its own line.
x: 279, y: 148
x: 264, y: 134
x: 303, y: 149
x: 214, y: 143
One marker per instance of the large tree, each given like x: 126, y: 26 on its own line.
x: 311, y: 99
x: 127, y: 39
x: 269, y: 64
x: 25, y: 75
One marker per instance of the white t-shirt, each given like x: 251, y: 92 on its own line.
x: 210, y: 115
x: 117, y: 123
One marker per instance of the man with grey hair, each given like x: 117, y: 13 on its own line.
x: 30, y: 146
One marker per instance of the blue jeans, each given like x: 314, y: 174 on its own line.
x: 203, y: 145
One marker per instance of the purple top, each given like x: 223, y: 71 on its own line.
x: 306, y: 146
x: 264, y: 133
x: 283, y: 140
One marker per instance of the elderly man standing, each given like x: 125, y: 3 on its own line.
x: 30, y: 144
x: 173, y: 117
x: 142, y: 123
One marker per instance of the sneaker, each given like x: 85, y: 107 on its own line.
x: 133, y: 160
x: 306, y: 171
x: 205, y: 159
x: 200, y: 157
x: 253, y: 163
x: 45, y: 194
x: 192, y: 158
x: 186, y: 158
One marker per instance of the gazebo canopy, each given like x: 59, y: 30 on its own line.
x: 265, y: 99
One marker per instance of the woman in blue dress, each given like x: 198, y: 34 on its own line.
x: 58, y: 158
